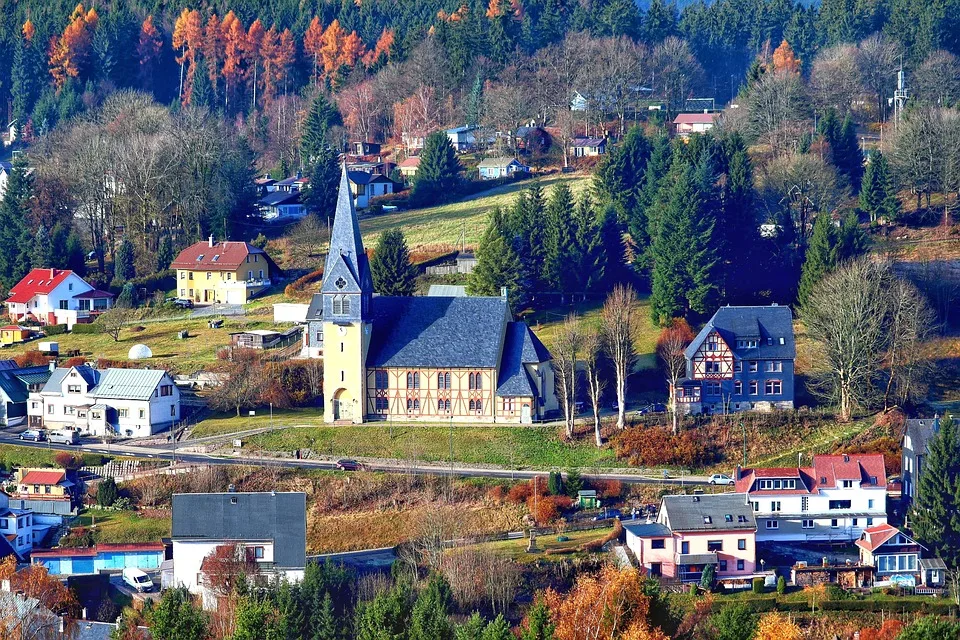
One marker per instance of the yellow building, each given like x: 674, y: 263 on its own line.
x: 226, y: 272
x: 43, y: 483
x: 433, y: 359
x: 13, y: 334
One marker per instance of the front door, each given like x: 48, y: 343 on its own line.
x: 525, y: 414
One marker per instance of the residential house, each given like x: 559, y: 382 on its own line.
x: 364, y: 186
x: 493, y: 168
x: 408, y: 168
x: 366, y: 148
x: 55, y: 492
x: 588, y: 147
x: 101, y: 557
x: 412, y: 140
x: 377, y: 168
x: 269, y: 528
x: 228, y: 272
x: 463, y: 138
x: 741, y: 360
x: 896, y: 559
x: 16, y: 529
x: 915, y: 443
x: 578, y: 102
x: 6, y: 168
x: 419, y: 358
x: 15, y: 334
x: 833, y: 500
x: 280, y: 206
x: 694, y: 531
x: 56, y: 296
x: 16, y: 383
x: 687, y: 124
x: 132, y: 403
x: 265, y: 338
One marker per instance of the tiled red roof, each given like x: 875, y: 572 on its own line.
x: 695, y: 118
x: 38, y: 281
x: 64, y: 552
x: 824, y: 474
x: 131, y: 546
x: 227, y: 255
x: 412, y: 161
x: 43, y: 477
x: 875, y: 536
x: 777, y: 472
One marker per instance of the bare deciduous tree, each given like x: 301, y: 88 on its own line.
x: 244, y: 384
x: 777, y: 110
x: 618, y: 325
x: 596, y: 383
x: 113, y: 321
x: 911, y: 322
x: 835, y: 81
x: 671, y: 345
x: 567, y: 347
x: 937, y: 80
x: 877, y: 60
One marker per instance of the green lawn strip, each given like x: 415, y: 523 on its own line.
x: 824, y: 440
x: 124, y: 526
x: 517, y: 549
x: 537, y: 447
x: 227, y: 423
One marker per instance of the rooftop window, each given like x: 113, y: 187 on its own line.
x: 707, y: 520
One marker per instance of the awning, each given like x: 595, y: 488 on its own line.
x: 696, y: 558
x: 933, y: 563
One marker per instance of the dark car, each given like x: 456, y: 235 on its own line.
x: 608, y: 514
x: 349, y: 465
x: 183, y: 303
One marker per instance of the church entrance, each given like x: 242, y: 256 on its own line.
x: 343, y: 405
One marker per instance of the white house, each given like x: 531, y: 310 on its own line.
x: 132, y: 403
x: 365, y: 185
x: 690, y: 123
x: 6, y: 169
x: 269, y: 528
x: 16, y: 529
x: 56, y: 296
x: 463, y: 138
x: 493, y: 168
x: 832, y: 501
x: 281, y: 205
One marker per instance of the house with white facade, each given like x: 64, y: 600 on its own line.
x: 16, y: 529
x: 834, y: 500
x: 56, y: 296
x: 270, y: 529
x: 896, y: 559
x: 132, y: 403
x: 365, y: 185
x: 463, y: 138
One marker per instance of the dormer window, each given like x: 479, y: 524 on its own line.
x: 727, y: 517
x: 216, y: 257
x: 200, y: 258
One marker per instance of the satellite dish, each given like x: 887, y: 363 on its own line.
x: 139, y: 352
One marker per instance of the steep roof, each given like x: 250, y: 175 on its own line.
x: 315, y: 310
x: 38, y: 282
x: 708, y: 512
x: 695, y: 118
x: 513, y: 379
x: 437, y: 332
x: 222, y: 256
x: 866, y: 468
x: 921, y: 432
x: 276, y: 516
x: 588, y: 142
x: 128, y: 384
x: 14, y: 382
x: 873, y: 537
x: 346, y: 256
x: 771, y: 327
x: 275, y: 198
x: 365, y: 177
x: 90, y: 375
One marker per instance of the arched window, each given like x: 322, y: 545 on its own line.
x: 479, y: 381
x: 471, y: 382
x: 473, y: 405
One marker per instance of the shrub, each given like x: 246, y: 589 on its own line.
x: 75, y: 361
x: 497, y: 493
x: 107, y: 492
x: 519, y: 493
x: 607, y: 488
x: 31, y: 358
x: 658, y: 446
x: 573, y: 483
x: 555, y: 483
x: 692, y: 589
x: 781, y: 585
x: 92, y: 328
x: 596, y: 545
x: 67, y: 460
x: 260, y: 241
x: 55, y: 329
x: 544, y: 509
x: 758, y: 585
x: 298, y: 286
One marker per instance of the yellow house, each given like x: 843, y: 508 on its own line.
x: 43, y: 483
x: 13, y: 334
x: 226, y: 272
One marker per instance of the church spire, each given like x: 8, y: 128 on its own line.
x: 346, y: 244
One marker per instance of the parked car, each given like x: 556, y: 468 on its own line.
x: 64, y: 436
x: 721, y: 479
x: 607, y: 514
x: 36, y: 435
x: 655, y: 407
x: 349, y: 465
x: 183, y: 303
x: 137, y: 579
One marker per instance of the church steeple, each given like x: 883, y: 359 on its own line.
x: 347, y: 283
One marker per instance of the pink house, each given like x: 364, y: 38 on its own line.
x: 689, y: 123
x: 693, y: 531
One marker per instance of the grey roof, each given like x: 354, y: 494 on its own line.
x: 643, y: 529
x: 437, y: 332
x: 14, y: 382
x: 447, y: 291
x: 90, y: 375
x: 520, y: 347
x: 276, y: 516
x: 920, y: 432
x: 346, y: 256
x: 275, y: 198
x: 315, y: 310
x: 6, y: 167
x: 128, y: 384
x: 497, y: 162
x: 689, y: 513
x: 366, y: 177
x: 91, y: 630
x: 932, y: 563
x: 763, y: 324
x: 589, y: 142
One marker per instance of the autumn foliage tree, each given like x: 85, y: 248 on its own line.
x: 671, y: 344
x: 227, y: 566
x: 889, y: 630
x: 784, y: 59
x: 776, y: 626
x: 188, y: 38
x: 70, y: 52
x: 148, y: 51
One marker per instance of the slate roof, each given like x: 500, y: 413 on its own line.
x: 128, y: 384
x: 763, y: 324
x: 491, y: 163
x: 588, y: 142
x: 365, y: 177
x: 518, y: 349
x: 276, y: 198
x: 53, y: 386
x: 437, y: 332
x: 346, y: 245
x: 689, y: 513
x: 921, y: 432
x: 6, y: 167
x: 38, y: 282
x: 447, y: 291
x: 281, y: 517
x: 643, y: 529
x: 229, y: 255
x: 315, y: 310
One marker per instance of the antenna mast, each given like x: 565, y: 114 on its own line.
x: 900, y: 96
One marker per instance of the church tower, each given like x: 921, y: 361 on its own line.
x: 347, y: 295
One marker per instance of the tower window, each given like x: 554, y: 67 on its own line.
x: 341, y: 305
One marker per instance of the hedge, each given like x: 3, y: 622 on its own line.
x: 892, y: 604
x: 91, y: 328
x: 160, y: 281
x: 55, y: 329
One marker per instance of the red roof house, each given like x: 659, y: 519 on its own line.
x: 56, y: 296
x: 687, y: 123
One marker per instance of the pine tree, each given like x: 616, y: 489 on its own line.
x: 537, y: 625
x: 851, y: 240
x: 76, y: 259
x: 165, y: 253
x: 588, y: 261
x: 123, y: 268
x: 429, y: 621
x: 320, y: 196
x: 322, y: 116
x: 26, y: 79
x: 497, y: 629
x: 497, y: 264
x: 202, y: 91
x: 620, y: 181
x: 851, y: 164
x: 738, y: 230
x: 821, y: 256
x: 438, y: 176
x: 42, y: 255
x: 472, y: 629
x: 612, y: 246
x: 658, y: 166
x: 326, y: 627
x: 660, y: 22
x: 559, y: 240
x: 524, y: 231
x: 393, y: 275
x: 475, y: 101
x: 878, y: 197
x: 934, y: 515
x: 16, y: 241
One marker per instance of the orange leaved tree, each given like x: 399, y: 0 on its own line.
x: 776, y: 626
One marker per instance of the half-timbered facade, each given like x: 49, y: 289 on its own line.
x: 433, y: 359
x: 741, y: 360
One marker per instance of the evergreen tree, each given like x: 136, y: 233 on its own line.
x: 538, y: 625
x: 936, y: 511
x: 821, y: 256
x: 320, y: 196
x: 201, y: 92
x: 127, y: 298
x: 620, y: 181
x: 176, y: 617
x: 588, y: 261
x: 393, y: 275
x: 851, y: 161
x: 387, y: 616
x: 658, y: 167
x: 559, y: 239
x: 438, y: 176
x: 878, y: 196
x: 42, y: 255
x: 497, y: 629
x: 660, y: 22
x: 123, y: 267
x: 429, y: 621
x: 851, y: 240
x: 27, y: 79
x: 733, y: 622
x: 524, y: 231
x: 326, y: 626
x: 612, y: 246
x: 76, y: 258
x: 322, y: 116
x: 497, y: 264
x: 472, y: 629
x: 475, y: 101
x: 16, y: 241
x: 683, y: 251
x: 739, y: 236
x: 165, y: 254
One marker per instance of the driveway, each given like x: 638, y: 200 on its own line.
x: 218, y: 310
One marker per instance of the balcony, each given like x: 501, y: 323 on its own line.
x: 257, y: 282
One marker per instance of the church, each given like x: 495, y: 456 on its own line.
x: 429, y: 359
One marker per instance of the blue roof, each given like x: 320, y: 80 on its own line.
x: 275, y: 198
x: 346, y: 257
x: 771, y: 327
x: 520, y: 347
x: 315, y: 310
x: 437, y: 332
x: 365, y: 177
x: 643, y: 529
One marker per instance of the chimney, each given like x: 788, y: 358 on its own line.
x: 936, y: 423
x: 5, y: 586
x: 61, y: 624
x: 825, y: 561
x: 53, y: 273
x: 210, y: 241
x: 503, y: 293
x: 738, y: 473
x: 231, y: 488
x: 53, y: 366
x: 83, y: 613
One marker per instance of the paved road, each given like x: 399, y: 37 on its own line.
x: 92, y: 446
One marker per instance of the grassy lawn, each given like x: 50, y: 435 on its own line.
x: 124, y: 526
x: 442, y: 226
x: 537, y: 447
x: 517, y: 549
x: 12, y: 456
x: 224, y: 423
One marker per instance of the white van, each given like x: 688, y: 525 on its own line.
x: 137, y: 579
x: 64, y: 436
